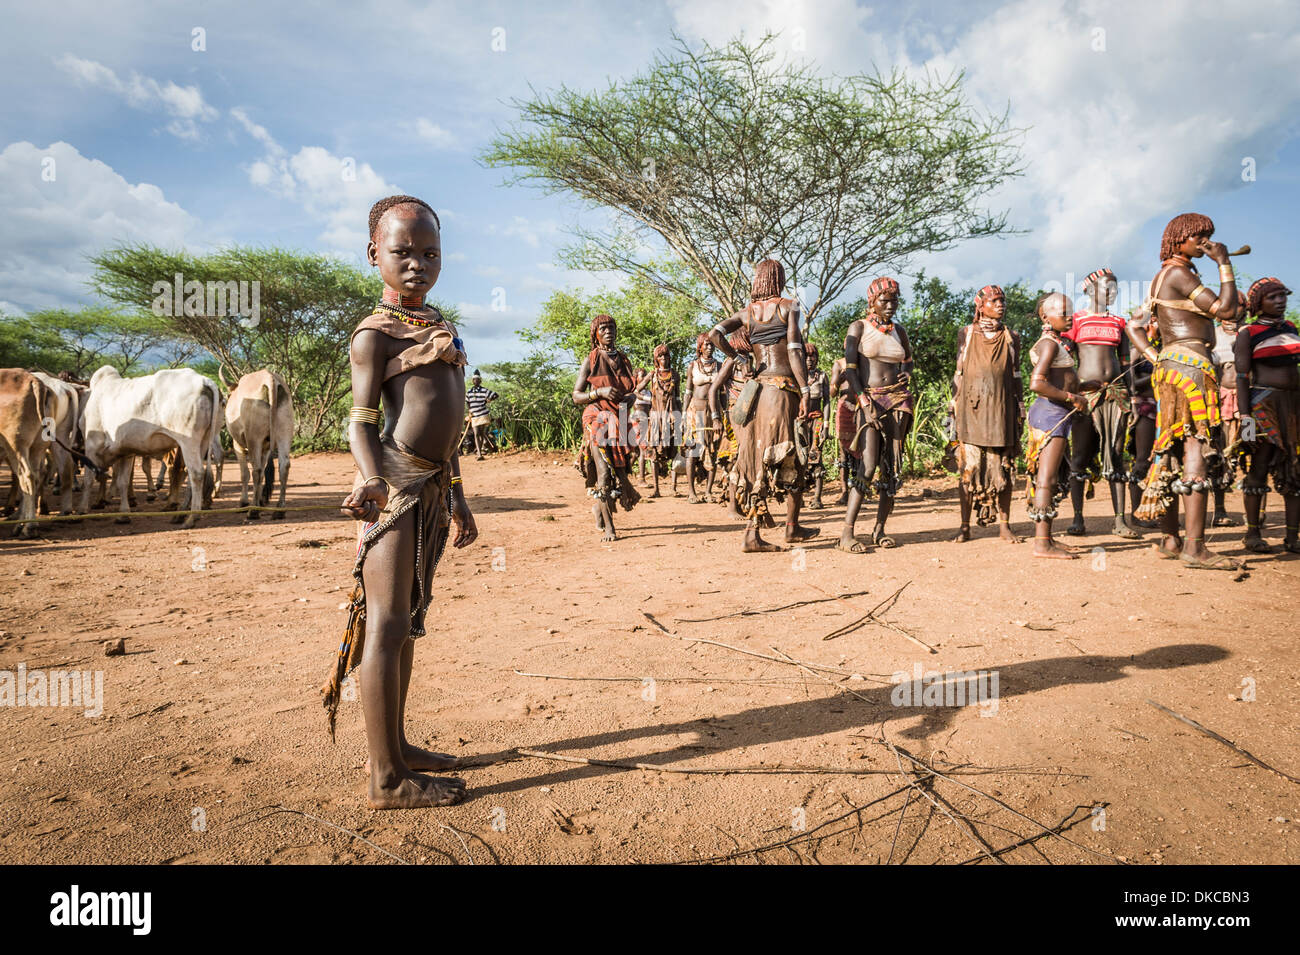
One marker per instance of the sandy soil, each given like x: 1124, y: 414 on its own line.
x: 213, y: 718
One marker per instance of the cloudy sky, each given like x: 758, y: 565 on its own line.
x: 1133, y: 112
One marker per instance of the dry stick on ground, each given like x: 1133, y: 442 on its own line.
x: 801, y: 837
x: 752, y: 613
x: 898, y: 829
x: 979, y: 792
x: 915, y: 784
x: 276, y: 810
x: 736, y: 770
x: 838, y: 671
x: 869, y: 615
x: 456, y: 832
x: 1065, y: 823
x: 657, y: 679
x: 1226, y: 742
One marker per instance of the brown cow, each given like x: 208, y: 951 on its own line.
x: 24, y: 437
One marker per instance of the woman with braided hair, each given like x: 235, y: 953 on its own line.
x: 605, y: 384
x: 1052, y: 417
x: 1186, y: 387
x: 1100, y: 432
x: 699, y: 440
x: 665, y: 405
x: 878, y: 369
x: 987, y: 409
x: 767, y: 462
x: 723, y: 395
x: 1268, y: 394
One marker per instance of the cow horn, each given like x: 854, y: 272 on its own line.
x: 224, y: 384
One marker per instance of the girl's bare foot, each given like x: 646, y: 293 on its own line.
x: 424, y: 760
x: 413, y: 791
x: 1076, y: 528
x: 793, y: 532
x: 963, y: 535
x: 1007, y: 534
x: 754, y: 544
x: 1046, y: 547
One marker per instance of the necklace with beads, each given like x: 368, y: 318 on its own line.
x: 406, y: 315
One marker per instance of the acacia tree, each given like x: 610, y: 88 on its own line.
x: 728, y: 157
x: 308, y: 306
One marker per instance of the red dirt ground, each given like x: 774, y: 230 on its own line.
x: 214, y: 713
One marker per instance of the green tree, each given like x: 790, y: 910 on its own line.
x: 726, y: 157
x: 535, y: 405
x: 306, y: 309
x: 81, y: 340
x: 647, y: 316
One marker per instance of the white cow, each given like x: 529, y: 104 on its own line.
x: 128, y: 417
x: 61, y: 423
x: 259, y: 416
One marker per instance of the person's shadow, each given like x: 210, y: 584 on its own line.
x: 816, y: 717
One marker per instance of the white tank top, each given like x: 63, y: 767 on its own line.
x: 879, y: 346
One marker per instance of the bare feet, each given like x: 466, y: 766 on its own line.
x: 754, y: 544
x: 963, y: 535
x: 793, y: 532
x: 1076, y: 528
x: 1221, y: 519
x: 1007, y: 534
x: 842, y: 500
x: 413, y: 791
x: 424, y: 760
x: 1046, y: 547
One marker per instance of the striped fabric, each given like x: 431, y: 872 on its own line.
x: 1090, y: 328
x: 478, y: 398
x: 1274, y: 343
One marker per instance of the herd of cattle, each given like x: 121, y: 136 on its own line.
x: 56, y: 429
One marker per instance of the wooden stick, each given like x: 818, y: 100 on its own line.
x: 839, y: 671
x: 657, y: 679
x: 1226, y: 742
x: 718, y: 770
x: 980, y: 792
x: 276, y: 810
x: 803, y: 836
x: 869, y: 615
x: 752, y: 613
x: 979, y: 840
x: 1030, y: 839
x: 456, y: 832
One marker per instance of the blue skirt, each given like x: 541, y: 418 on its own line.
x: 1051, y: 419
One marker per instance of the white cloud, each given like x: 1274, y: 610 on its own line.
x: 529, y: 231
x: 51, y: 227
x: 832, y: 33
x: 336, y: 190
x: 1117, y: 134
x: 435, y: 135
x: 185, y: 104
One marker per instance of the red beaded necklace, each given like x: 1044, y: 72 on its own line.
x: 393, y: 297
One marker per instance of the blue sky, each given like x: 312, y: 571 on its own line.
x: 245, y: 141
